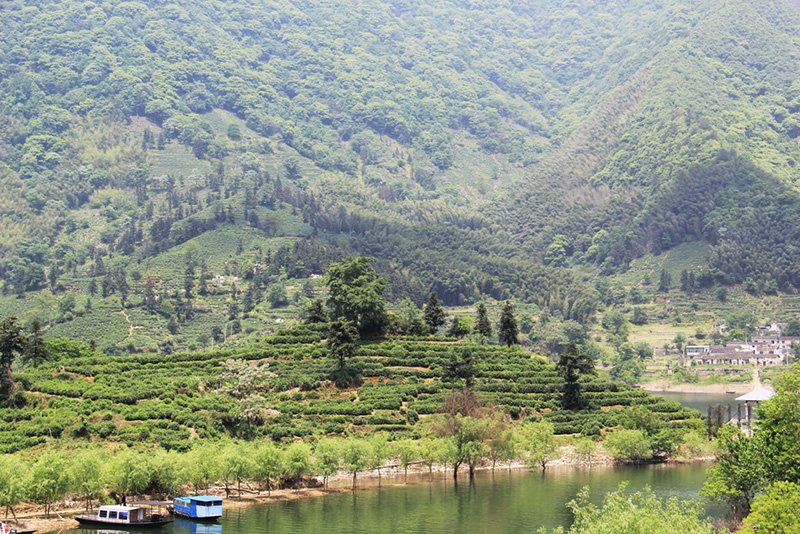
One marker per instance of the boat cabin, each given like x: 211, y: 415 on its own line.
x: 198, y: 506
x: 138, y: 514
x: 121, y: 514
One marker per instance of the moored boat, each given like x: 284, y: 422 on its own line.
x: 5, y: 528
x: 126, y: 516
x: 199, y: 507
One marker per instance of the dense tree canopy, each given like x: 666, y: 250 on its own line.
x: 356, y: 294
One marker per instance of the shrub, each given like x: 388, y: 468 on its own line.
x: 628, y: 445
x: 412, y: 417
x: 591, y: 429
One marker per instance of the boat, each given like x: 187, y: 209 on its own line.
x: 139, y: 515
x: 5, y: 528
x: 198, y: 507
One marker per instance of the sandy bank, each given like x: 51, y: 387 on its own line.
x: 663, y: 385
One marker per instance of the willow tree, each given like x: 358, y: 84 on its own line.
x: 466, y: 427
x: 14, y: 479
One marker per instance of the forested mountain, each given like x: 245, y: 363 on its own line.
x: 154, y: 151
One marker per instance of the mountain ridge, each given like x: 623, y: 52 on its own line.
x: 472, y: 149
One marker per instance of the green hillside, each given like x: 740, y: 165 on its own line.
x: 82, y: 395
x: 161, y: 161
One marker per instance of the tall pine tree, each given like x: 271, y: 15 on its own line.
x: 508, y: 330
x: 434, y: 313
x: 572, y: 365
x: 482, y: 324
x: 665, y: 281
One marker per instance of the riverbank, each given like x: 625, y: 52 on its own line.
x: 30, y: 516
x: 661, y: 386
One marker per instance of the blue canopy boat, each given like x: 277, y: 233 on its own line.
x: 204, y: 507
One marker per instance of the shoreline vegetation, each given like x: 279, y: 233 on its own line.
x: 391, y: 475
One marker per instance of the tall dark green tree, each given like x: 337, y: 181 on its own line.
x: 507, y: 329
x: 12, y: 344
x: 53, y: 274
x: 482, y: 324
x: 434, y: 313
x: 233, y: 310
x: 122, y: 286
x: 572, y: 365
x: 188, y: 286
x: 639, y: 316
x: 35, y: 349
x: 665, y: 281
x: 202, y: 286
x: 150, y: 300
x: 462, y: 366
x: 342, y: 346
x: 356, y: 294
x: 317, y: 312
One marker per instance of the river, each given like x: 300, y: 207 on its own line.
x: 500, y: 502
x: 700, y: 401
x: 503, y: 502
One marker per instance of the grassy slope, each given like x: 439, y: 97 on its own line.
x: 166, y: 398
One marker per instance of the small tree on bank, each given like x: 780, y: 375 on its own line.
x: 356, y: 456
x: 327, y: 455
x: 297, y: 462
x: 268, y: 464
x: 466, y: 427
x: 537, y: 443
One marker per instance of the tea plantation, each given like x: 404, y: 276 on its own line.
x: 171, y: 400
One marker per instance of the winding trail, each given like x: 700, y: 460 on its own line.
x: 756, y: 378
x: 131, y: 328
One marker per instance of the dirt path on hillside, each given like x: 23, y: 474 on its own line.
x: 756, y: 378
x: 131, y: 328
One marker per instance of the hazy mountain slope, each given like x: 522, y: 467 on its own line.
x: 462, y: 143
x: 705, y: 147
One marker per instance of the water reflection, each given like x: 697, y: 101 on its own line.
x: 197, y: 527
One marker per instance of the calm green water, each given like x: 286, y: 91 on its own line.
x: 506, y: 502
x: 700, y: 401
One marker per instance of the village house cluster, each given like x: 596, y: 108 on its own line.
x: 760, y: 350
